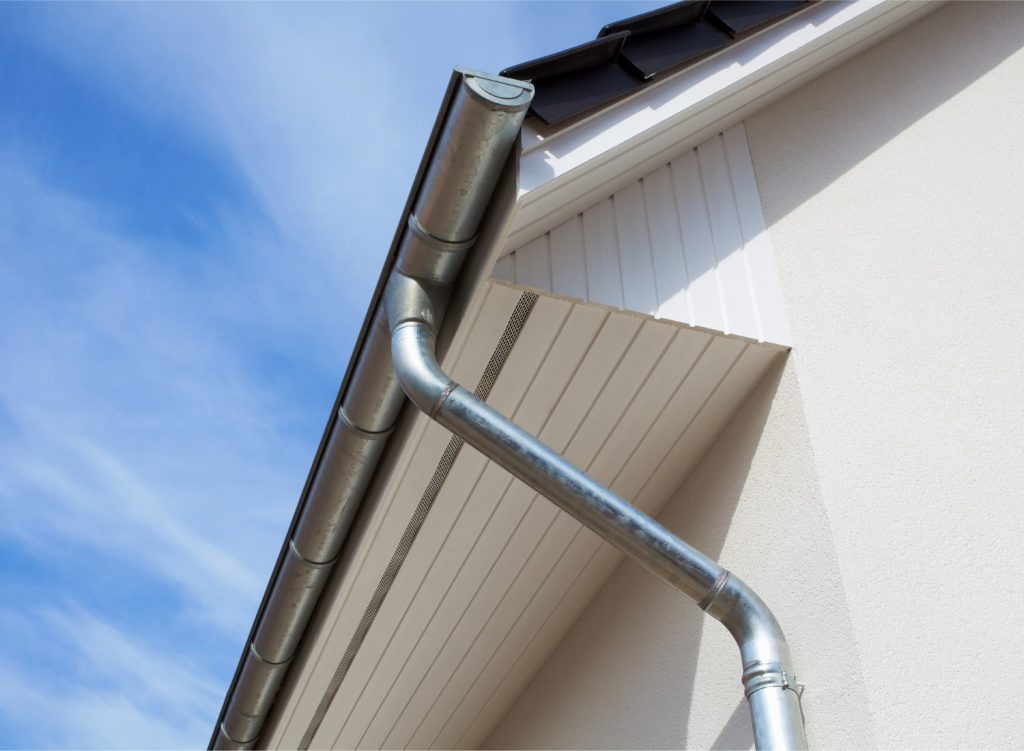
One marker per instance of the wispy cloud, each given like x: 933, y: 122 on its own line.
x: 110, y: 689
x: 141, y: 433
x: 147, y: 462
x: 194, y: 204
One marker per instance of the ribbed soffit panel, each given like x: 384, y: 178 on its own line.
x: 496, y: 575
x: 687, y: 243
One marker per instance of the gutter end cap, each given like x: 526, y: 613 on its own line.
x: 498, y: 92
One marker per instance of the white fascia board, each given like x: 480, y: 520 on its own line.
x: 563, y: 173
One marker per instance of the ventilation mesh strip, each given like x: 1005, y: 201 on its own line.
x: 483, y: 389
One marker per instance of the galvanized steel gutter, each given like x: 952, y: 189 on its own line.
x: 478, y: 128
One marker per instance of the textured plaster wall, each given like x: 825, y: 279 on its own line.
x: 644, y: 668
x: 872, y: 488
x: 894, y: 189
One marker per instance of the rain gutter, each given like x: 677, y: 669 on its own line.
x: 470, y: 149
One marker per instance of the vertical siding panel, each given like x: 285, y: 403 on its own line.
x: 698, y: 384
x: 505, y: 268
x: 427, y: 558
x: 637, y: 267
x: 556, y: 561
x: 466, y: 647
x: 652, y: 405
x: 670, y: 276
x: 568, y: 264
x: 687, y: 243
x: 604, y: 277
x: 612, y: 379
x: 557, y: 566
x: 405, y: 490
x: 697, y: 243
x: 488, y: 553
x: 734, y: 283
x: 476, y: 501
x: 757, y: 245
x: 727, y: 397
x: 533, y: 266
x: 569, y: 608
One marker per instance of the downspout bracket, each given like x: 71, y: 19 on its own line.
x: 768, y: 675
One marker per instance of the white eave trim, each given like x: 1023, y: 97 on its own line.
x: 563, y: 173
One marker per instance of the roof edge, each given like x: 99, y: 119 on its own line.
x: 436, y: 218
x: 568, y: 169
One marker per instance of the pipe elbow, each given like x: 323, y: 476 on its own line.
x: 751, y: 623
x: 421, y: 378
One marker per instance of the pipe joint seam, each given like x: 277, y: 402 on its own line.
x: 261, y: 658
x: 226, y: 734
x: 407, y: 299
x: 368, y: 435
x: 412, y: 345
x: 436, y: 243
x: 425, y: 256
x: 306, y: 562
x: 715, y: 590
x: 442, y: 398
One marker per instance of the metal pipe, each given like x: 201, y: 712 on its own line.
x: 768, y: 681
x: 476, y: 130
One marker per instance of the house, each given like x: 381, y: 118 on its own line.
x: 755, y: 268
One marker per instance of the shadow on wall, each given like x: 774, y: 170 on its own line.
x: 886, y: 89
x: 639, y: 693
x: 736, y: 733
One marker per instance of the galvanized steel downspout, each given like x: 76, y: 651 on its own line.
x: 399, y: 354
x: 768, y: 679
x: 410, y: 301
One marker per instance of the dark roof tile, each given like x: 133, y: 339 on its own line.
x: 746, y: 16
x: 628, y: 54
x: 577, y: 79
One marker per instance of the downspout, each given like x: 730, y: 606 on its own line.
x: 768, y: 679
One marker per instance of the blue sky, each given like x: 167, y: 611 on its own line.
x: 195, y: 201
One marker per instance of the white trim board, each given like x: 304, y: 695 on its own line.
x: 564, y: 173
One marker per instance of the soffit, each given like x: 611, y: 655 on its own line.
x: 495, y: 574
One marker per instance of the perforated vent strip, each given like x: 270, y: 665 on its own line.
x: 483, y: 389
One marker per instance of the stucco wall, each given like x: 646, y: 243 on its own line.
x: 871, y: 489
x: 644, y: 668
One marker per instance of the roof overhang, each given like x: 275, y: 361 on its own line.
x: 446, y: 652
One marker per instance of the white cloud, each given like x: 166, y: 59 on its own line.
x: 143, y: 435
x: 143, y: 419
x: 111, y: 689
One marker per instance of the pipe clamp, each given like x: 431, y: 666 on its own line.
x: 769, y: 675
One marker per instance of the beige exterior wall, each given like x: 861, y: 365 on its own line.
x: 871, y: 488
